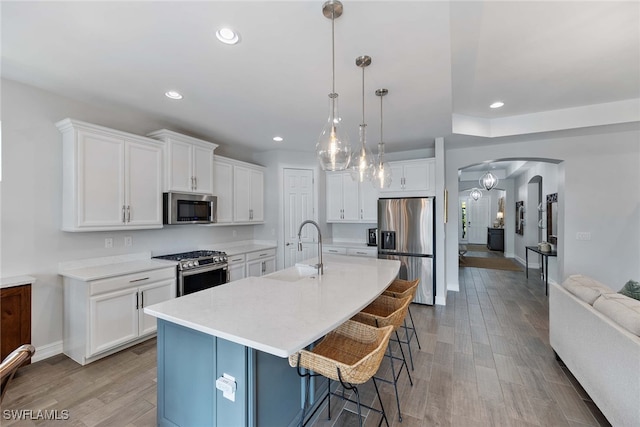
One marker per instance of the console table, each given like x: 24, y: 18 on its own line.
x: 495, y: 239
x: 545, y: 265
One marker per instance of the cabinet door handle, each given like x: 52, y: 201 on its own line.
x: 138, y: 280
x: 261, y: 255
x: 142, y: 299
x: 195, y: 182
x: 264, y: 267
x: 137, y: 306
x: 361, y: 214
x: 128, y: 213
x: 123, y: 213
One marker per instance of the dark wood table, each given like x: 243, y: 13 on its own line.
x: 545, y: 266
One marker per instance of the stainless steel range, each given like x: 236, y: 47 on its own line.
x: 199, y: 270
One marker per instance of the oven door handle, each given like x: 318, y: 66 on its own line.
x: 203, y: 269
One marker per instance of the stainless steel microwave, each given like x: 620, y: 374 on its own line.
x: 183, y: 208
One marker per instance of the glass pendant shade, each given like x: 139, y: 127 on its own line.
x: 475, y: 194
x: 488, y: 181
x: 382, y: 172
x: 362, y: 164
x: 333, y: 149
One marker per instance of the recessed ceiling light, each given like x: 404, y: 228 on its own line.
x: 278, y: 138
x: 173, y: 94
x: 497, y: 104
x: 227, y: 36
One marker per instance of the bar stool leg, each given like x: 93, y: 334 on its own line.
x: 404, y: 361
x: 384, y: 414
x: 329, y: 398
x: 408, y: 338
x: 413, y: 326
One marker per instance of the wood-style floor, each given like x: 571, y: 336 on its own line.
x: 485, y: 361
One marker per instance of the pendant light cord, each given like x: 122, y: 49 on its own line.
x: 333, y: 52
x: 363, y: 95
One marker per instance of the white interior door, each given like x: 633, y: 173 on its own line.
x: 478, y: 220
x: 298, y: 206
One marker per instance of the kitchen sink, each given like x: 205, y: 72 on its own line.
x: 293, y: 274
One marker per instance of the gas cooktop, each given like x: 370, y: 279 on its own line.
x: 195, y: 259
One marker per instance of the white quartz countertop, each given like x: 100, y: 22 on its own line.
x: 235, y: 249
x: 283, y: 312
x: 10, y: 282
x: 115, y: 269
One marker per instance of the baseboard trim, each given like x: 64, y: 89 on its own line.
x: 46, y: 351
x: 441, y: 300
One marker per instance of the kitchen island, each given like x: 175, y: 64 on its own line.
x: 245, y: 330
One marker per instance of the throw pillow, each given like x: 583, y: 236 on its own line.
x: 631, y: 289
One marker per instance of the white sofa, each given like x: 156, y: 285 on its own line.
x: 603, y: 355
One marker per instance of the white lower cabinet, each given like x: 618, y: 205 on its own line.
x: 236, y: 267
x: 106, y: 315
x: 370, y: 252
x: 260, y: 263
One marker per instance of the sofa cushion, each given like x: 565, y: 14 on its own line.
x: 623, y: 310
x: 585, y: 288
x: 631, y: 289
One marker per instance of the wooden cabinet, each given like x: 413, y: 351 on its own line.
x: 112, y: 180
x: 349, y: 200
x: 15, y: 308
x: 495, y: 239
x: 189, y: 162
x: 248, y: 186
x: 260, y: 263
x: 411, y: 178
x: 106, y: 315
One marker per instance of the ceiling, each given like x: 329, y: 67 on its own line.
x: 440, y: 61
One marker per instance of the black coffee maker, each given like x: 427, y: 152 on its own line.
x: 372, y: 237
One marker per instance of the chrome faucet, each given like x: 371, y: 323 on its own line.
x: 319, y: 265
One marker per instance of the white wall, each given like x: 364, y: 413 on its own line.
x: 597, y: 187
x: 32, y: 242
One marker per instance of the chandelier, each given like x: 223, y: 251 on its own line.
x: 488, y: 181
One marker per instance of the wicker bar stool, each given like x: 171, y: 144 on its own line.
x: 388, y: 311
x: 400, y: 288
x: 351, y: 354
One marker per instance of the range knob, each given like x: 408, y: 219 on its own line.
x: 190, y: 264
x: 184, y: 265
x: 223, y: 259
x: 216, y: 259
x: 196, y: 263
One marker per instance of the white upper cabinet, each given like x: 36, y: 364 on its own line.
x: 411, y: 178
x: 348, y: 200
x: 223, y: 189
x: 239, y: 187
x: 189, y: 162
x: 112, y: 180
x: 248, y: 186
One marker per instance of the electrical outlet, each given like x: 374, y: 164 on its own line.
x: 128, y: 240
x: 583, y: 235
x: 108, y: 242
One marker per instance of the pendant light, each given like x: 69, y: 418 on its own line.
x: 333, y: 149
x: 382, y: 173
x: 488, y: 181
x: 475, y: 194
x: 362, y: 163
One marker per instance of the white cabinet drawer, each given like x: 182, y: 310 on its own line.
x: 133, y: 280
x: 261, y: 254
x: 235, y: 259
x: 366, y: 252
x: 332, y: 250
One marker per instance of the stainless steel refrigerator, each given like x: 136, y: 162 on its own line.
x: 406, y: 233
